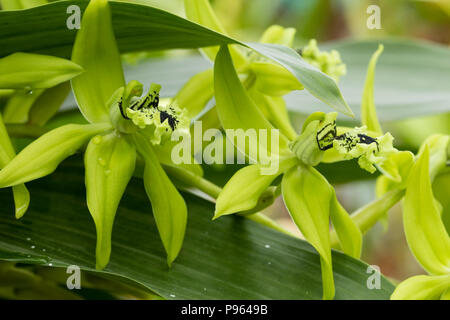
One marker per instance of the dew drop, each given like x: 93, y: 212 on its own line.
x: 50, y: 264
x: 102, y: 162
x: 107, y: 172
x: 97, y: 140
x: 172, y: 295
x: 28, y: 239
x: 44, y: 250
x: 267, y: 246
x: 32, y: 247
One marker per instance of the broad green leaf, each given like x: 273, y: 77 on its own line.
x: 109, y: 162
x: 33, y: 71
x: 315, y: 81
x: 153, y: 29
x: 307, y: 195
x: 422, y: 288
x: 95, y: 49
x: 348, y: 233
x: 369, y: 116
x: 237, y: 111
x: 200, y: 11
x: 244, y: 189
x: 424, y: 229
x: 7, y: 153
x: 282, y: 267
x: 169, y: 208
x: 42, y: 156
x: 19, y: 105
x: 196, y: 93
x: 48, y: 104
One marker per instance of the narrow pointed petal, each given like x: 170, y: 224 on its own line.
x: 109, y: 160
x: 349, y: 235
x: 311, y: 213
x: 33, y: 71
x: 245, y: 187
x: 422, y: 288
x: 19, y: 105
x: 21, y: 199
x: 169, y: 208
x: 48, y: 104
x: 42, y: 156
x: 20, y: 192
x: 369, y: 116
x: 424, y: 228
x: 237, y: 111
x: 95, y: 49
x: 196, y: 93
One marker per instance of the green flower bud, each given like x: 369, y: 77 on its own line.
x: 317, y: 136
x: 328, y: 62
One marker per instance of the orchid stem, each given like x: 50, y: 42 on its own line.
x: 366, y: 217
x: 214, y: 190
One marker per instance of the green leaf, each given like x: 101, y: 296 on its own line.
x: 424, y: 229
x: 33, y: 71
x: 153, y: 29
x: 239, y: 263
x: 245, y: 187
x: 95, y: 49
x: 307, y: 196
x: 200, y: 11
x: 237, y: 111
x: 42, y: 156
x: 109, y: 162
x: 369, y: 116
x: 422, y: 288
x: 320, y: 85
x: 169, y: 208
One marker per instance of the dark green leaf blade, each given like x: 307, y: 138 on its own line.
x: 231, y: 258
x: 136, y: 27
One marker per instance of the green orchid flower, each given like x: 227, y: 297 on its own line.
x: 265, y: 81
x: 423, y: 219
x: 23, y: 74
x: 309, y: 197
x: 122, y: 126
